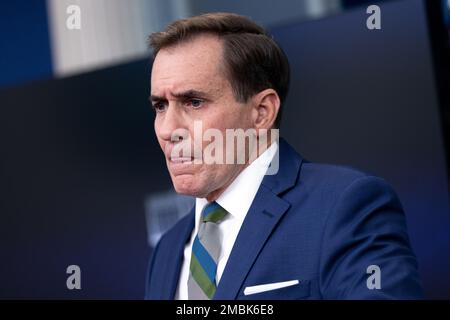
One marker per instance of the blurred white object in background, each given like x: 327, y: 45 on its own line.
x: 162, y: 211
x: 112, y: 31
x: 116, y: 31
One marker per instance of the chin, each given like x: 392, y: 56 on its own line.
x: 187, y: 186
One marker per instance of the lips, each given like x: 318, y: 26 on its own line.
x: 181, y: 159
x: 179, y: 156
x: 181, y: 165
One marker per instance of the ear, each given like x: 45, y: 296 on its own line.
x: 266, y: 105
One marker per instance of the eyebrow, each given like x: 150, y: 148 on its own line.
x: 188, y: 94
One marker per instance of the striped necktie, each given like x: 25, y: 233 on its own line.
x: 205, y: 254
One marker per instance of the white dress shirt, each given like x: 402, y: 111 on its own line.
x: 236, y: 199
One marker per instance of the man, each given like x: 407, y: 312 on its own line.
x: 304, y: 231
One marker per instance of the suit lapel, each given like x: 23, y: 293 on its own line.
x: 266, y: 211
x: 173, y: 268
x: 264, y: 214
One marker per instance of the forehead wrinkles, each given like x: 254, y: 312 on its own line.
x: 214, y: 88
x: 198, y: 61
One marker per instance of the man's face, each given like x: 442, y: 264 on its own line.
x: 188, y: 84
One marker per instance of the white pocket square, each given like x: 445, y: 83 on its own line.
x: 269, y: 286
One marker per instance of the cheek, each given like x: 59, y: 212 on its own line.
x: 160, y: 141
x: 162, y: 144
x: 222, y: 121
x: 239, y: 116
x: 156, y: 125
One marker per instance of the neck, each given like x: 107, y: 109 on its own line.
x: 214, y: 195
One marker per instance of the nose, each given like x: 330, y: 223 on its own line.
x: 170, y: 126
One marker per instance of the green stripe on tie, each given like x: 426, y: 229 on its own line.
x: 205, y: 254
x: 216, y: 215
x: 201, y: 278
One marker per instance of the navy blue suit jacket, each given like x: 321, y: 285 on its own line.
x: 323, y: 225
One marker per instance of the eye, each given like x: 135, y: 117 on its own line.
x: 195, y: 103
x: 159, y: 107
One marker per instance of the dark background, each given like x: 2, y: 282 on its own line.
x: 79, y: 156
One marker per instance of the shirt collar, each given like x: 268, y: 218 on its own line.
x: 239, y: 195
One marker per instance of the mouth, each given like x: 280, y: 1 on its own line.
x: 185, y: 160
x: 181, y: 165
